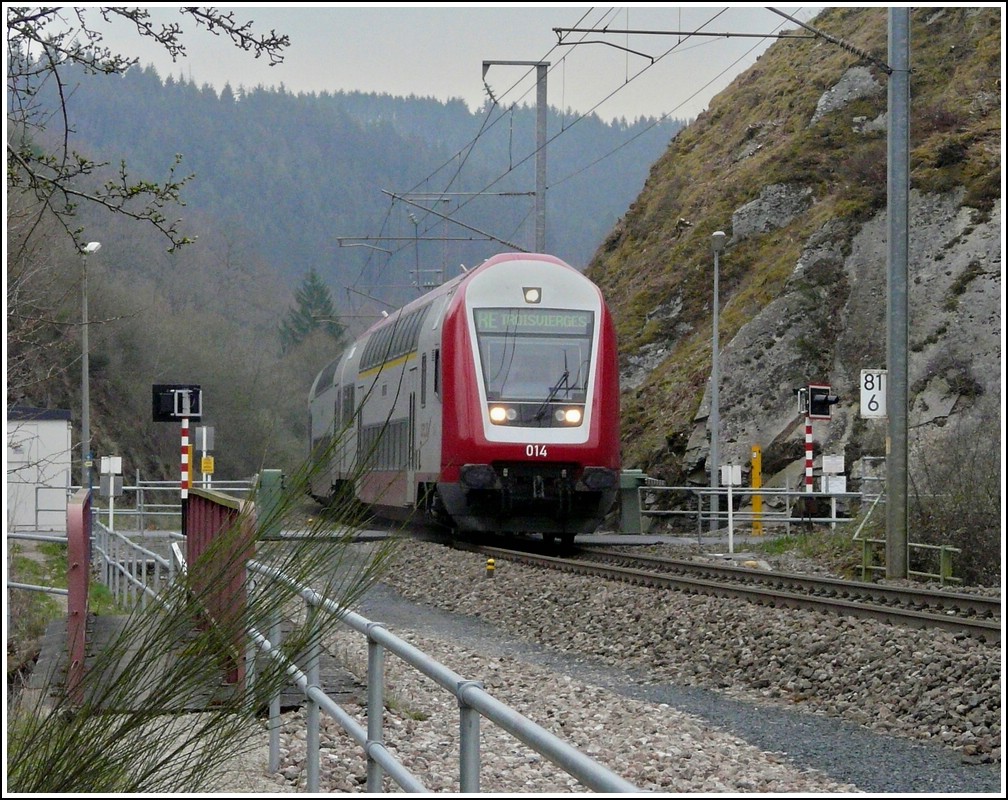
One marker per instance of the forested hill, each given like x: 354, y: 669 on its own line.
x: 277, y: 179
x: 293, y: 174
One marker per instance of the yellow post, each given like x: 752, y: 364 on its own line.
x: 757, y: 482
x: 490, y: 567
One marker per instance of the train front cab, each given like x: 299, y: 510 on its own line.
x: 533, y: 437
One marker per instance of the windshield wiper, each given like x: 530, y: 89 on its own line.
x: 552, y: 393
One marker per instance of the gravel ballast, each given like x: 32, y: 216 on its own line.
x: 673, y: 692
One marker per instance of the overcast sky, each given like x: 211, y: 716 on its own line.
x: 437, y: 50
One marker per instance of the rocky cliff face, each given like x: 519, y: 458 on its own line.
x: 793, y: 154
x: 834, y: 304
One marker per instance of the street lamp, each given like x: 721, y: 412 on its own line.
x: 88, y: 249
x: 717, y: 245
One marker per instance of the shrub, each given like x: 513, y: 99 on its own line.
x: 955, y: 493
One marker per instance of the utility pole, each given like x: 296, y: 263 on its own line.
x: 540, y: 165
x: 86, y: 456
x: 897, y: 303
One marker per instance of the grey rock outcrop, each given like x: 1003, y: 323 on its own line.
x: 830, y: 324
x: 857, y: 82
x: 776, y: 206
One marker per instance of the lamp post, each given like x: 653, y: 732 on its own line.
x: 717, y: 245
x: 88, y: 249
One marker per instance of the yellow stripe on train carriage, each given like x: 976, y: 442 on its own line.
x: 395, y: 362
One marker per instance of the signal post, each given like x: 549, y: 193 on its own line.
x: 180, y: 402
x: 815, y: 401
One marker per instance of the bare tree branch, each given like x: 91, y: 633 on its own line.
x: 44, y: 43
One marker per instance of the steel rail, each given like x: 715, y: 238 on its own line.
x: 987, y: 629
x: 958, y: 602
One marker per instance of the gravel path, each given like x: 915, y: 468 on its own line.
x: 674, y: 692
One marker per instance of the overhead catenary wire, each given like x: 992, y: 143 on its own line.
x: 488, y: 122
x: 486, y: 125
x: 838, y: 42
x: 664, y: 116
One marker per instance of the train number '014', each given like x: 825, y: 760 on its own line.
x: 536, y: 451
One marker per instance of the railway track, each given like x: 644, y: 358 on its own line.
x: 972, y: 615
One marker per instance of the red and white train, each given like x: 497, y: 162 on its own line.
x: 490, y: 404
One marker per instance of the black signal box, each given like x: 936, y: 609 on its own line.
x: 174, y: 401
x: 821, y: 401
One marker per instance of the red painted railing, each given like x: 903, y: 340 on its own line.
x: 78, y: 573
x: 220, y: 539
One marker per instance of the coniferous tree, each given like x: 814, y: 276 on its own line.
x: 314, y: 311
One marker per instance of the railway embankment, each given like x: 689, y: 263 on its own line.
x: 682, y: 692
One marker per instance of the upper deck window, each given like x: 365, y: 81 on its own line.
x: 398, y: 336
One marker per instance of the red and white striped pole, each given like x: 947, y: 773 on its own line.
x: 808, y: 453
x: 185, y: 458
x: 185, y: 472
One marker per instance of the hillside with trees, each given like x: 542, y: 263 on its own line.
x: 217, y: 210
x: 308, y: 178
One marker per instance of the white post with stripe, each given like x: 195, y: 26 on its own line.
x: 808, y: 453
x: 185, y: 457
x: 186, y: 467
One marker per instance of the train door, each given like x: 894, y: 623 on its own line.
x: 411, y: 455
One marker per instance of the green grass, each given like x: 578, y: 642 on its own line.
x: 30, y: 611
x: 834, y: 549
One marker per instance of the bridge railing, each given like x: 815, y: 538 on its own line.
x: 474, y: 702
x: 227, y: 565
x: 220, y: 540
x: 132, y: 572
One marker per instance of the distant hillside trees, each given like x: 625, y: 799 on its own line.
x: 49, y: 51
x: 314, y: 311
x: 298, y: 171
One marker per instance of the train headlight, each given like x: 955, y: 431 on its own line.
x: 501, y: 414
x: 533, y: 294
x: 568, y: 416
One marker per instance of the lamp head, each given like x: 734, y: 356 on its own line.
x: 717, y: 241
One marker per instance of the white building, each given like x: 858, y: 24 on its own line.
x: 37, y: 468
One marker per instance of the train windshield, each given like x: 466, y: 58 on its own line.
x: 538, y: 355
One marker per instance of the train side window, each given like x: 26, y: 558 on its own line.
x: 384, y: 344
x: 416, y: 319
x: 437, y: 373
x: 396, y: 347
x: 423, y: 380
x: 348, y: 404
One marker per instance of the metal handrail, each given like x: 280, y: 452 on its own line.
x: 37, y: 537
x: 473, y: 701
x: 127, y: 578
x: 765, y: 516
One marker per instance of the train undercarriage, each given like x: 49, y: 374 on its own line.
x: 557, y: 501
